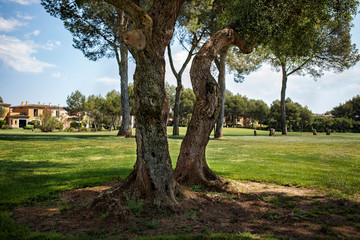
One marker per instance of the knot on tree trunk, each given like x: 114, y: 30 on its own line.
x: 135, y: 38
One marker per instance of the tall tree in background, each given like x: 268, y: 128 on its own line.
x: 97, y: 29
x: 76, y: 106
x: 315, y: 49
x: 306, y: 37
x: 191, y: 30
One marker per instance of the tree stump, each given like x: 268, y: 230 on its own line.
x: 314, y: 132
x: 328, y: 132
x: 255, y: 133
x: 272, y: 132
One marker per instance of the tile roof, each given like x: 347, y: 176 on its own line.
x: 38, y: 106
x: 5, y: 104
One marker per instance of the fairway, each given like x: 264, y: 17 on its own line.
x: 35, y: 166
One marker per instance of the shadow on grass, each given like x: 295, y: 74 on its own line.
x: 51, y: 137
x: 28, y: 182
x: 325, y: 216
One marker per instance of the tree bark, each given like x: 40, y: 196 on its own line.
x: 191, y: 167
x: 282, y: 99
x: 221, y: 81
x: 152, y: 178
x: 125, y: 128
x: 176, y: 121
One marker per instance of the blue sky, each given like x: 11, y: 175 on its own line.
x: 39, y: 64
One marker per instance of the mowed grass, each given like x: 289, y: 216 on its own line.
x: 35, y: 166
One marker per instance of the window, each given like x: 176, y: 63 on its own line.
x: 57, y: 113
x: 35, y: 112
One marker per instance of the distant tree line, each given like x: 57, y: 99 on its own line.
x: 257, y: 114
x: 97, y: 111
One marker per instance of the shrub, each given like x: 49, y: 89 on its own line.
x: 75, y: 125
x: 2, y: 123
x: 28, y: 127
x: 83, y: 129
x: 35, y: 123
x: 49, y: 123
x: 70, y: 129
x: 5, y: 127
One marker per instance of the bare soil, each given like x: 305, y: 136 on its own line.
x: 286, y: 212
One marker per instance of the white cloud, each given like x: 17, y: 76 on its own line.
x: 24, y: 16
x: 56, y: 75
x: 50, y: 45
x: 25, y: 2
x: 18, y: 55
x: 8, y: 25
x: 109, y: 80
x: 34, y: 33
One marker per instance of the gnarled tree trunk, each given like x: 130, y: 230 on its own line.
x: 152, y: 178
x: 191, y: 167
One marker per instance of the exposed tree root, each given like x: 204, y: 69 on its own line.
x: 206, y: 178
x: 115, y: 201
x: 125, y: 134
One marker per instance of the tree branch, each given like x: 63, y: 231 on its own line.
x: 300, y: 67
x: 171, y: 62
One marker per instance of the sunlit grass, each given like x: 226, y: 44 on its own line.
x: 35, y: 165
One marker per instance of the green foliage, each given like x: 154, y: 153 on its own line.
x: 298, y: 118
x: 113, y: 106
x: 49, y: 122
x: 35, y: 123
x: 75, y: 125
x: 237, y: 106
x: 76, y: 105
x: 2, y: 112
x: 322, y: 124
x: 187, y: 102
x: 350, y: 109
x: 171, y: 90
x: 2, y: 123
x: 1, y: 100
x: 6, y: 127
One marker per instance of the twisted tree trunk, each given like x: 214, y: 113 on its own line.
x: 191, y: 167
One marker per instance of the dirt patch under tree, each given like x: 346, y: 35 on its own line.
x: 257, y: 208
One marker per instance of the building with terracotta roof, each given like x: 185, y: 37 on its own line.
x: 20, y: 116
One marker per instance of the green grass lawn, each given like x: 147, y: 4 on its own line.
x: 34, y: 165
